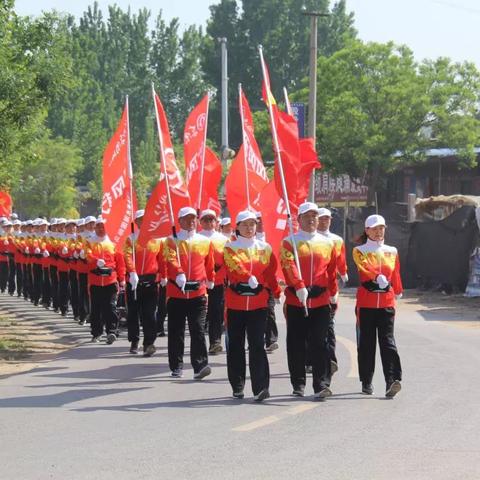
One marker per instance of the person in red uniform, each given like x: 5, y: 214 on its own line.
x: 190, y: 270
x: 216, y: 303
x: 324, y: 221
x: 250, y: 269
x: 313, y: 288
x: 142, y: 289
x: 380, y: 285
x: 5, y: 229
x: 106, y: 274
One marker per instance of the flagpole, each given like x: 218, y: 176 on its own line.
x: 280, y: 168
x: 164, y: 167
x: 287, y: 102
x: 130, y: 175
x: 203, y: 157
x: 244, y: 144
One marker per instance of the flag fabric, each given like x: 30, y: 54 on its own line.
x: 156, y: 221
x: 194, y: 148
x: 247, y: 176
x: 117, y: 206
x: 211, y: 182
x: 5, y: 204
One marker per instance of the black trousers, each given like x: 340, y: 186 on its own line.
x: 54, y: 286
x: 215, y: 312
x: 3, y: 275
x: 141, y: 311
x: 37, y: 271
x: 161, y: 314
x: 26, y: 280
x: 103, y: 309
x: 29, y: 282
x: 74, y: 293
x: 83, y: 299
x: 252, y: 323
x: 11, y: 275
x: 194, y: 311
x: 63, y: 291
x: 19, y: 275
x: 308, y: 333
x: 271, y: 330
x: 331, y: 340
x: 46, y: 287
x: 373, y: 322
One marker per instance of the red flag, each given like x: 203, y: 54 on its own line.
x: 117, y: 206
x: 247, y: 176
x: 194, y: 143
x: 309, y: 163
x: 156, y: 221
x: 211, y: 181
x: 5, y: 204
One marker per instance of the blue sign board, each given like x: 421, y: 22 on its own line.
x: 299, y: 114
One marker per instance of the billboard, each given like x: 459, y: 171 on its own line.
x: 337, y: 189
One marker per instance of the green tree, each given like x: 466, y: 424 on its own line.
x: 47, y: 183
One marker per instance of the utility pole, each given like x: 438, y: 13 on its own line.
x: 312, y: 95
x: 225, y: 149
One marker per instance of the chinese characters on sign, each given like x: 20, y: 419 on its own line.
x: 339, y: 188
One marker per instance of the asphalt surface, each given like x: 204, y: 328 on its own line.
x: 96, y: 412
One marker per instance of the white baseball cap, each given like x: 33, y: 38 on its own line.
x: 307, y: 207
x: 324, y: 212
x: 61, y: 221
x: 208, y: 213
x: 80, y: 222
x: 90, y: 219
x: 139, y: 214
x: 100, y: 219
x: 374, y: 221
x: 245, y: 215
x: 183, y: 212
x: 225, y: 221
x: 17, y: 222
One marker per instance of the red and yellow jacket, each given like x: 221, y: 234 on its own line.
x: 318, y: 265
x: 196, y: 262
x: 246, y: 257
x: 148, y: 260
x: 339, y: 250
x: 5, y: 248
x: 103, y: 248
x: 372, y: 259
x: 218, y: 242
x: 81, y: 248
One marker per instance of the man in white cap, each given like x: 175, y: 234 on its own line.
x: 5, y: 232
x: 313, y: 288
x: 16, y: 284
x: 89, y: 227
x: 82, y: 270
x: 216, y: 300
x: 190, y: 269
x: 226, y: 227
x: 143, y: 266
x: 106, y: 274
x: 324, y: 222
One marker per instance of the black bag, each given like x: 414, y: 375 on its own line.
x: 245, y: 290
x: 102, y: 271
x: 314, y: 291
x: 374, y: 287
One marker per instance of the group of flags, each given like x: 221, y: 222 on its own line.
x: 246, y: 186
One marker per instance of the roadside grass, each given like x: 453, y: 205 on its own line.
x: 11, y: 346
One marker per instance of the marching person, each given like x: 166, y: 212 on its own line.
x: 226, y: 227
x: 161, y: 313
x: 106, y: 274
x: 250, y: 268
x: 313, y: 288
x: 82, y: 270
x: 380, y: 284
x: 142, y: 289
x: 190, y: 269
x: 324, y: 222
x: 17, y: 281
x: 4, y: 253
x: 216, y: 303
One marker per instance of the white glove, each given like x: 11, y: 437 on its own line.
x: 210, y: 285
x: 5, y: 242
x: 253, y: 282
x: 163, y: 282
x: 133, y: 280
x: 399, y: 296
x: 27, y: 250
x: 334, y: 299
x: 82, y: 254
x: 100, y: 263
x: 302, y: 295
x: 382, y: 281
x: 64, y: 250
x: 46, y: 254
x: 181, y: 280
x: 37, y: 251
x: 75, y: 254
x: 344, y: 278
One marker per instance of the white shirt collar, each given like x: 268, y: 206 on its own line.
x: 185, y: 235
x: 245, y: 242
x: 303, y: 235
x: 374, y: 244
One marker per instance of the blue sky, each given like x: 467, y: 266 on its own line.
x: 431, y: 28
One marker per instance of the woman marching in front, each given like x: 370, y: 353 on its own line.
x: 380, y: 284
x: 250, y: 271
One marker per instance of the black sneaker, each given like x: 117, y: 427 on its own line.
x: 215, y: 349
x: 134, y: 348
x: 205, y: 371
x: 323, y: 393
x: 263, y: 395
x: 160, y: 334
x: 82, y: 322
x: 333, y: 367
x: 393, y: 388
x: 177, y: 373
x: 308, y: 369
x: 239, y: 394
x: 367, y: 388
x: 298, y: 392
x: 149, y: 350
x: 111, y: 337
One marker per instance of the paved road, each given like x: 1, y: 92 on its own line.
x: 96, y: 412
